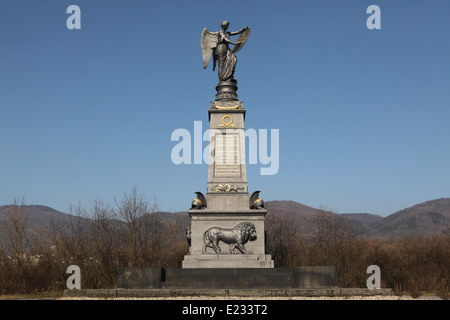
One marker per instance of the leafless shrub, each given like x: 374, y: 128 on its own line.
x: 412, y: 265
x: 138, y: 229
x: 13, y: 230
x: 283, y: 239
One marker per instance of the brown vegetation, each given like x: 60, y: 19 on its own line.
x: 102, y: 238
x: 410, y: 264
x: 98, y: 240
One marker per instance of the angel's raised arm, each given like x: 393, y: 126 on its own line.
x: 238, y: 32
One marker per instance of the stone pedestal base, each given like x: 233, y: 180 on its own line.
x: 226, y: 226
x: 228, y: 261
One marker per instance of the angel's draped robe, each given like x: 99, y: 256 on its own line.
x: 227, y: 60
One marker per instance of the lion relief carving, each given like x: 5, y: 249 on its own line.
x: 236, y: 237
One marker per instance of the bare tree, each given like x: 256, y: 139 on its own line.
x: 335, y: 242
x: 100, y: 232
x: 138, y: 225
x: 14, y: 229
x: 284, y: 238
x: 173, y: 241
x: 70, y: 235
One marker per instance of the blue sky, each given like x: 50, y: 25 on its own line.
x: 363, y: 115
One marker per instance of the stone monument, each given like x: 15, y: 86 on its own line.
x: 227, y: 224
x: 226, y: 234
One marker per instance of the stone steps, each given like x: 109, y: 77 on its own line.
x: 204, y: 261
x: 224, y: 257
x: 228, y: 278
x: 220, y: 293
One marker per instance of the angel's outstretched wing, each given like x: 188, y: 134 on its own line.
x: 241, y: 40
x: 208, y: 42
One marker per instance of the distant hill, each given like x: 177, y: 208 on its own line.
x: 37, y: 215
x: 364, y: 219
x: 363, y: 222
x: 301, y: 213
x: 424, y: 219
x: 38, y: 220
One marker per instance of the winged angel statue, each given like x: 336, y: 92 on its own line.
x: 216, y: 44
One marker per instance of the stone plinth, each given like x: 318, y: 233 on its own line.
x: 228, y: 278
x: 203, y: 256
x: 139, y: 278
x: 228, y: 261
